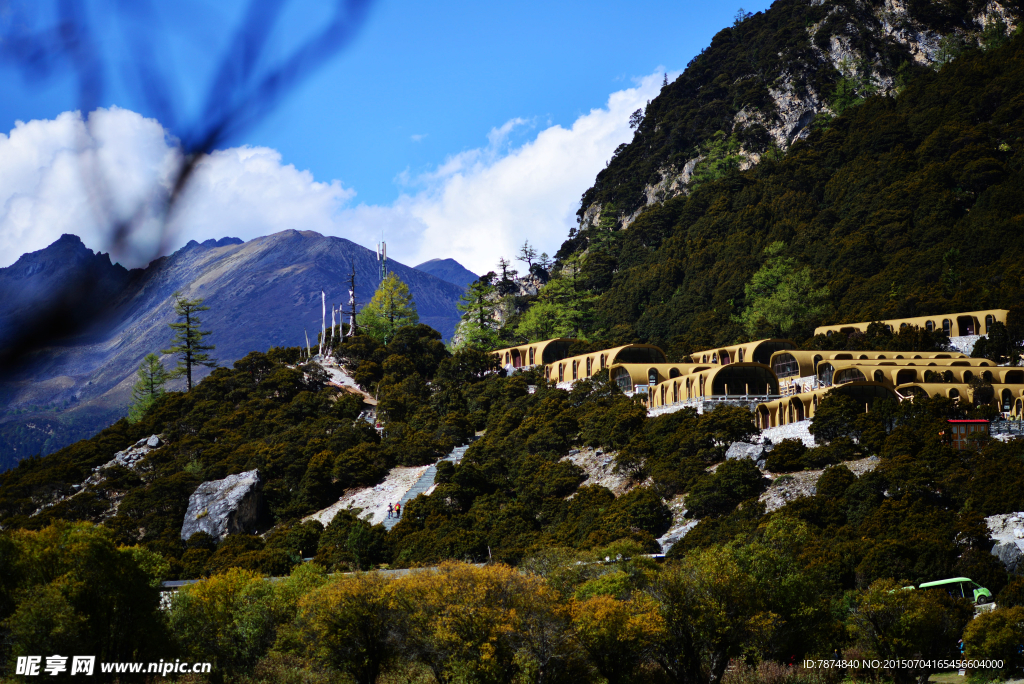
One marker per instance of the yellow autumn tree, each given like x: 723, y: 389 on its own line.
x: 391, y: 308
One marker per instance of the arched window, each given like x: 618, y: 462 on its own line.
x: 881, y: 356
x: 561, y: 372
x: 848, y: 375
x: 704, y: 358
x: 954, y: 393
x: 590, y: 366
x: 714, y: 357
x: 902, y: 326
x: 688, y: 395
x: 828, y: 333
x: 1007, y: 400
x: 968, y: 376
x: 603, y: 360
x: 508, y: 358
x: 674, y: 373
x: 741, y: 355
x: 989, y: 320
x: 987, y: 376
x: 533, y: 356
x: 652, y: 377
x: 622, y: 378
x: 785, y: 365
x: 947, y: 376
x: 863, y: 357
x: 675, y: 392
x: 929, y: 326
x: 947, y: 327
x: 879, y: 376
x: 906, y: 375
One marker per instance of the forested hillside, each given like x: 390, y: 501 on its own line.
x: 903, y: 205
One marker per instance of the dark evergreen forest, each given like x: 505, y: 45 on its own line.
x: 902, y: 206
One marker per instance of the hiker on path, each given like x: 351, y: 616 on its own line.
x: 398, y: 509
x: 391, y: 510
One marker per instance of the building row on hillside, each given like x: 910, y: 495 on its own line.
x: 953, y: 325
x: 779, y: 383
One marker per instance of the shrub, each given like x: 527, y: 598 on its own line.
x: 719, y: 493
x: 833, y: 483
x: 786, y: 456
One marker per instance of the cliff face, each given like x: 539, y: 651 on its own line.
x: 764, y: 81
x: 261, y: 293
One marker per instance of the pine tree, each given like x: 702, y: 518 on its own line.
x: 391, y: 308
x: 187, y: 343
x: 477, y: 306
x: 527, y: 254
x: 148, y: 387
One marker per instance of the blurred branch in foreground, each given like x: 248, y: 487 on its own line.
x: 62, y: 38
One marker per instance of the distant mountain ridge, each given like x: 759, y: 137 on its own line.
x: 261, y: 293
x: 449, y: 270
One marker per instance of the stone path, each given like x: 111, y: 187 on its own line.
x: 425, y: 484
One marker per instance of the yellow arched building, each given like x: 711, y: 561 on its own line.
x: 954, y: 325
x: 755, y: 352
x: 526, y: 355
x: 735, y: 381
x: 585, y: 365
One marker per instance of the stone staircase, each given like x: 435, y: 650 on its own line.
x: 425, y: 482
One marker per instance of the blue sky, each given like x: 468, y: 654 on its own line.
x: 425, y: 93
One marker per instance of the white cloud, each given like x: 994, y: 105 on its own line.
x: 67, y: 175
x: 477, y: 206
x: 482, y: 204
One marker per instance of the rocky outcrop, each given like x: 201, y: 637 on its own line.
x: 681, y: 525
x: 744, y: 450
x: 599, y: 467
x: 1007, y: 530
x: 792, y: 486
x: 837, y: 43
x: 1010, y: 555
x: 223, y: 507
x: 133, y: 455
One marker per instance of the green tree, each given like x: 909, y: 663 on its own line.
x: 901, y: 624
x: 998, y: 635
x: 564, y: 308
x: 187, y: 343
x: 478, y: 327
x: 719, y: 155
x: 781, y: 297
x: 355, y: 625
x: 760, y: 599
x: 836, y: 417
x: 68, y: 589
x: 391, y: 308
x: 528, y: 254
x: 228, y: 620
x: 148, y: 387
